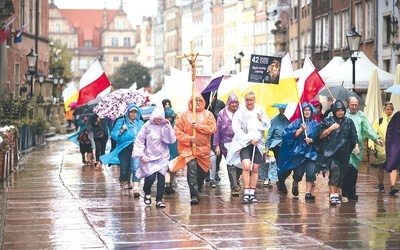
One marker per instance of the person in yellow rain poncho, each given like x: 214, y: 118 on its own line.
x: 380, y: 126
x: 198, y: 159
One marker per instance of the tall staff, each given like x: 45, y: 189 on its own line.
x: 192, y: 61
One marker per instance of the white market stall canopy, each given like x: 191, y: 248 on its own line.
x: 331, y: 69
x: 344, y: 74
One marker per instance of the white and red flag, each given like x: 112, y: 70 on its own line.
x: 308, y: 86
x: 92, y: 83
x: 5, y: 30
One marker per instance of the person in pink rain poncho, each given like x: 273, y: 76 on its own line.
x: 151, y: 146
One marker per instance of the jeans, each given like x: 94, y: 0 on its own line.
x: 195, y: 178
x: 125, y: 163
x: 148, y: 182
x: 234, y: 175
x: 309, y: 167
x: 213, y: 167
x: 135, y: 163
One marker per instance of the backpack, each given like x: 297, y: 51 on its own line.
x: 83, y: 137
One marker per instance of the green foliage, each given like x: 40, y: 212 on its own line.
x: 129, y: 73
x: 61, y: 60
x: 41, y: 125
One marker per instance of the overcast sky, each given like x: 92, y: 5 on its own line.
x: 135, y: 9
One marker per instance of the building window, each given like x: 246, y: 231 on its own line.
x: 88, y: 44
x: 369, y: 19
x: 336, y: 31
x: 386, y: 30
x: 127, y: 41
x: 126, y: 59
x: 326, y: 33
x: 359, y: 18
x: 114, y: 41
x: 82, y: 65
x: 318, y: 32
x: 57, y: 28
x: 116, y: 59
x: 345, y: 27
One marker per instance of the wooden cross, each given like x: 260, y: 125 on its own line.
x: 192, y: 61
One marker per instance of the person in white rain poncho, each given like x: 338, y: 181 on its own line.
x: 249, y: 124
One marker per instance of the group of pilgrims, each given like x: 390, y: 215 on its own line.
x: 331, y: 143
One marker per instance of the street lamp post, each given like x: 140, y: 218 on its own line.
x: 30, y: 75
x: 353, y: 41
x: 41, y: 78
x: 238, y: 60
x: 55, y: 81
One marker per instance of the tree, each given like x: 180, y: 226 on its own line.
x: 130, y: 73
x: 60, y: 61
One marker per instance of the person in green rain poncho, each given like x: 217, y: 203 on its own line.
x: 364, y: 131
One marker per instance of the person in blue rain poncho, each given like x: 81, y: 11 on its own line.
x: 297, y: 151
x: 124, y: 132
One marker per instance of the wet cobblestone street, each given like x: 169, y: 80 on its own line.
x: 53, y: 202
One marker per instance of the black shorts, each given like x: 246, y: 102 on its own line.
x: 247, y: 153
x: 85, y: 148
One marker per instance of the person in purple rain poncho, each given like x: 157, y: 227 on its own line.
x: 224, y: 134
x: 393, y: 151
x: 297, y: 151
x: 151, y: 146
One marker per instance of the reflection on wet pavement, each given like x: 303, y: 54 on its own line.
x: 53, y: 202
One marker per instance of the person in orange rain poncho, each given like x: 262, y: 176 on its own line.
x: 198, y: 163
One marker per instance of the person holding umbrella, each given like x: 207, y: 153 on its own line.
x: 248, y: 124
x: 124, y: 132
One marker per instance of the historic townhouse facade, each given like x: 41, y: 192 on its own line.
x: 93, y: 34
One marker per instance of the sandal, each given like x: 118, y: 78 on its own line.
x: 147, y: 200
x: 253, y: 199
x: 160, y: 204
x: 246, y: 198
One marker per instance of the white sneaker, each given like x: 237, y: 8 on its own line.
x: 266, y: 183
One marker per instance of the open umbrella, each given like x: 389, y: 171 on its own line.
x: 395, y: 89
x: 341, y: 93
x: 373, y: 109
x: 115, y: 104
x: 395, y: 99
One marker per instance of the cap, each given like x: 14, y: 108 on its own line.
x: 133, y: 108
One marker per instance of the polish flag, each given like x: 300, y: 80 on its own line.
x: 92, y: 83
x: 308, y: 86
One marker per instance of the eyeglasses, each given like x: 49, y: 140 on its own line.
x: 388, y: 104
